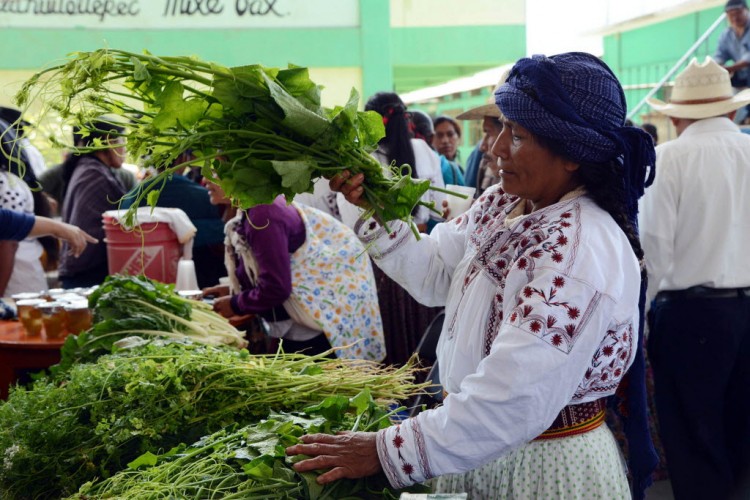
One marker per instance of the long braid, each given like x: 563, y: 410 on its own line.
x: 603, y: 182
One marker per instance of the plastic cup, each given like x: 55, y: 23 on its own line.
x: 30, y: 316
x: 54, y: 320
x: 186, y: 277
x: 458, y: 205
x: 78, y: 316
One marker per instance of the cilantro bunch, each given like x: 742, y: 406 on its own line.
x: 256, y: 131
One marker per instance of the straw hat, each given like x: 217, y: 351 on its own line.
x: 702, y: 90
x: 490, y: 109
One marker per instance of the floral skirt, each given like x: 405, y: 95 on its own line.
x: 586, y: 466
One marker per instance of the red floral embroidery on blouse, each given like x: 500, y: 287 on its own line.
x: 610, y: 361
x: 398, y: 441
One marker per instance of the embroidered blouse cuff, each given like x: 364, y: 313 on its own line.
x: 400, y: 457
x: 379, y: 241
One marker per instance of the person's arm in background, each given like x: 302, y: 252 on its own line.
x: 269, y: 241
x: 76, y: 237
x: 657, y: 219
x: 15, y: 225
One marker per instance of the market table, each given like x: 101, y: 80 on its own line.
x: 19, y: 353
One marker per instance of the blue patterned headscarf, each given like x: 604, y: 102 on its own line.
x: 575, y: 99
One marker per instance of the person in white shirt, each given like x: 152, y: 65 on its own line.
x: 541, y: 283
x: 695, y: 228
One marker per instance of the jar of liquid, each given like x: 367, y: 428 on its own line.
x: 78, y: 316
x: 54, y: 320
x: 30, y: 316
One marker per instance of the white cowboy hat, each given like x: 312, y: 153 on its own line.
x: 702, y: 91
x: 486, y: 110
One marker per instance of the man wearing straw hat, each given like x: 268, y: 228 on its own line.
x: 695, y: 229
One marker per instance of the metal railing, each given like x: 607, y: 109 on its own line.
x: 678, y: 64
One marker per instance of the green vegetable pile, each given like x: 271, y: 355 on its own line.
x: 249, y: 462
x: 257, y: 131
x: 58, y: 435
x: 126, y: 306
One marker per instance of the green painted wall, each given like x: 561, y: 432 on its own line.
x: 272, y: 47
x: 643, y: 56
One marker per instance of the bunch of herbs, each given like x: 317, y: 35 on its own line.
x: 250, y: 462
x: 125, y: 306
x: 56, y: 436
x: 257, y: 131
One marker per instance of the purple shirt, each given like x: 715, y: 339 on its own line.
x: 273, y: 232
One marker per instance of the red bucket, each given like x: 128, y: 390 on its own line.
x: 152, y: 250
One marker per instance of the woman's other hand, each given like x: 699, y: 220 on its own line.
x: 76, y: 237
x: 347, y: 455
x: 216, y: 291
x: 223, y: 306
x: 350, y: 186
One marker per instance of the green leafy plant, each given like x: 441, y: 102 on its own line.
x: 126, y: 306
x: 58, y: 435
x: 250, y: 461
x: 256, y: 131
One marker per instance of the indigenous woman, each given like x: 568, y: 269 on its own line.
x: 303, y: 272
x: 541, y: 284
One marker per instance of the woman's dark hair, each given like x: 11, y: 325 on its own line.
x: 96, y: 130
x: 423, y: 127
x: 19, y: 165
x: 604, y: 184
x: 651, y: 129
x: 447, y: 119
x: 397, y: 141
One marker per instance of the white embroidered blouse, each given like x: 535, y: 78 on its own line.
x: 539, y: 315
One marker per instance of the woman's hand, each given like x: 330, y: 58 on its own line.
x: 223, y: 306
x: 347, y: 455
x: 216, y: 291
x: 350, y: 187
x: 76, y: 237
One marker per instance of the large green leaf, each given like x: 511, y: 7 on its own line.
x: 295, y: 175
x: 297, y: 117
x: 174, y: 109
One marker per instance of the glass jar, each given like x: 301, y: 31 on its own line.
x: 78, y: 316
x: 54, y: 320
x: 30, y: 316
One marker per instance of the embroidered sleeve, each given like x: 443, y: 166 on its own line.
x: 401, y: 452
x: 423, y: 267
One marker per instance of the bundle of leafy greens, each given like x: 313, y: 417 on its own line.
x: 56, y: 436
x: 256, y: 131
x: 249, y: 462
x: 125, y: 306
